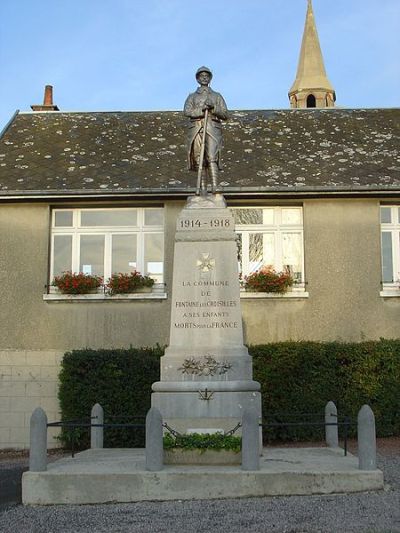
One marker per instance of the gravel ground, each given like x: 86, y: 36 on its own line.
x: 368, y: 512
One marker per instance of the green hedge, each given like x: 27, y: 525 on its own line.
x: 296, y: 378
x: 119, y: 380
x: 301, y: 377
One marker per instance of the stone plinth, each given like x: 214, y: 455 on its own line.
x: 206, y: 372
x: 119, y: 475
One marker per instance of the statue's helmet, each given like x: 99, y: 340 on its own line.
x: 203, y: 69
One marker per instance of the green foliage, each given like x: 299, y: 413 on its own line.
x: 297, y: 379
x: 372, y: 375
x: 119, y: 380
x: 205, y: 441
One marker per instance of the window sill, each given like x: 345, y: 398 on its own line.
x: 390, y: 293
x: 85, y: 298
x: 297, y: 295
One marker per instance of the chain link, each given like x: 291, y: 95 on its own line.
x: 177, y: 434
x: 172, y: 431
x: 232, y: 431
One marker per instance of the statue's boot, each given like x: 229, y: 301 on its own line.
x: 213, y: 171
x: 204, y: 183
x: 203, y: 180
x: 203, y: 187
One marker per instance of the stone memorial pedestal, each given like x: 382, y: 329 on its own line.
x: 206, y: 372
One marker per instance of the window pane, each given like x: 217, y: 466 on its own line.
x: 124, y: 253
x: 268, y: 216
x: 248, y: 216
x: 386, y: 215
x: 239, y: 251
x: 62, y: 254
x: 292, y: 254
x: 291, y: 216
x: 261, y: 252
x: 153, y: 217
x: 109, y: 217
x: 255, y: 251
x: 92, y: 254
x: 154, y: 255
x: 387, y: 257
x: 268, y: 249
x: 63, y: 218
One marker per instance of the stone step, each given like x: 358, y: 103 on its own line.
x: 119, y: 475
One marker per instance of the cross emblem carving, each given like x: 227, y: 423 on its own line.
x: 206, y: 263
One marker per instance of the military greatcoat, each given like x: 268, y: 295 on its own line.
x: 193, y: 109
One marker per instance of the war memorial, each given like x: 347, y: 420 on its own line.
x: 206, y: 351
x: 206, y: 383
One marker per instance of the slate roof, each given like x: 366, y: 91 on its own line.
x: 143, y: 153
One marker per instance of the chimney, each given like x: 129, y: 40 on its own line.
x: 47, y: 101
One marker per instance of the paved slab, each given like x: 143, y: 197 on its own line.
x: 119, y: 475
x: 10, y: 483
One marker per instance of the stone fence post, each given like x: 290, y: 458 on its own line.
x: 331, y: 432
x: 96, y: 433
x: 154, y: 440
x: 38, y: 441
x: 250, y: 440
x: 366, y: 439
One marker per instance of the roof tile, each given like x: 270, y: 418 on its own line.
x: 283, y: 150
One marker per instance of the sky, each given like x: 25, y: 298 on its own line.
x: 136, y: 55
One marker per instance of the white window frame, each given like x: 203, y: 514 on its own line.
x: 76, y: 231
x: 392, y: 288
x: 277, y: 229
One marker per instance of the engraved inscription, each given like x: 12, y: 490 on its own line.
x: 208, y: 303
x: 204, y: 311
x: 208, y: 325
x: 206, y: 297
x: 218, y: 223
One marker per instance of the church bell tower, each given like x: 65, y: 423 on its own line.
x: 311, y: 87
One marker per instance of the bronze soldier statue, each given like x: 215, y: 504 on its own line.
x: 205, y: 108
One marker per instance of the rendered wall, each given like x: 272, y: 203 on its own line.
x: 34, y: 334
x: 343, y: 273
x: 29, y: 323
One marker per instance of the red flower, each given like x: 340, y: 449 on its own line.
x: 268, y: 280
x: 71, y: 283
x: 124, y: 283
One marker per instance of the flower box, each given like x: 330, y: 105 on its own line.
x: 72, y: 283
x: 202, y: 449
x: 268, y: 280
x: 144, y: 289
x: 184, y: 456
x: 129, y: 283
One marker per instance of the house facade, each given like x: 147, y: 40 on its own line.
x: 315, y: 191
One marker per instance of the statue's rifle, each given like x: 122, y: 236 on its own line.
x: 202, y: 149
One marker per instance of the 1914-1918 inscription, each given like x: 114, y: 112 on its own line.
x: 206, y: 296
x: 190, y: 223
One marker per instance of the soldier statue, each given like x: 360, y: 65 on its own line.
x: 206, y: 109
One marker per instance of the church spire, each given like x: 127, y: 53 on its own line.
x: 311, y: 87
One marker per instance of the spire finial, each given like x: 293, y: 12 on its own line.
x: 311, y: 87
